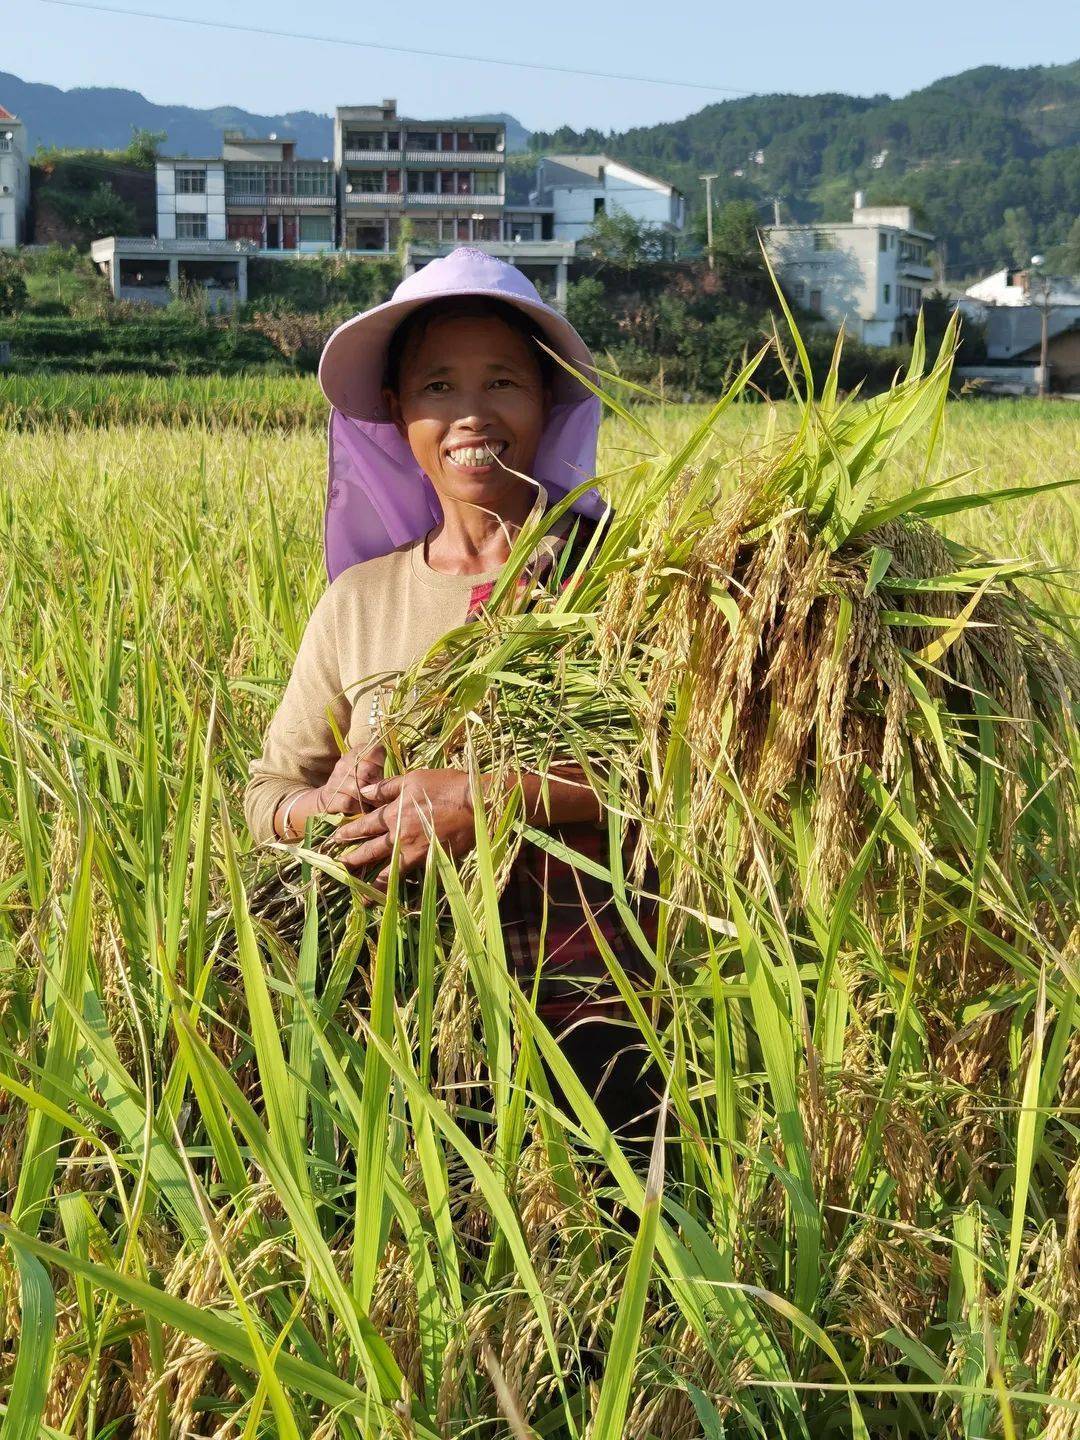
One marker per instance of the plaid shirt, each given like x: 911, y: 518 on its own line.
x: 542, y: 914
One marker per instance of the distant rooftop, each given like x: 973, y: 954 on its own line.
x: 6, y: 114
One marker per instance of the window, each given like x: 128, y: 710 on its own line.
x: 883, y: 241
x: 425, y: 232
x: 315, y: 230
x: 485, y: 142
x: 886, y: 293
x: 245, y: 180
x: 519, y: 230
x: 313, y: 182
x: 367, y: 182
x: 486, y: 182
x: 815, y: 301
x: 823, y: 240
x: 798, y: 291
x: 191, y: 227
x: 598, y: 205
x: 421, y: 140
x: 190, y: 182
x: 421, y: 182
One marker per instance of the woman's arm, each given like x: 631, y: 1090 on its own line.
x: 300, y: 750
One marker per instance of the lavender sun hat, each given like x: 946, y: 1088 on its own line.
x: 377, y: 496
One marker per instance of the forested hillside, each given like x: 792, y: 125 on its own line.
x: 990, y: 157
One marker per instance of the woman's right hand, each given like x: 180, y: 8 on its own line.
x: 338, y: 795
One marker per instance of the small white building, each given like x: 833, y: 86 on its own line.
x: 151, y: 271
x: 869, y: 275
x: 1022, y: 287
x: 191, y: 199
x: 14, y: 180
x: 577, y: 188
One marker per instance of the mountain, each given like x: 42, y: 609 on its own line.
x: 969, y: 152
x: 101, y: 118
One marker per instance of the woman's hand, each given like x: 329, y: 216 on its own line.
x: 409, y: 807
x: 340, y: 795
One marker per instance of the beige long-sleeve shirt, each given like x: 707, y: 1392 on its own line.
x: 373, y: 622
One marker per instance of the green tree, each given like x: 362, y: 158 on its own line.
x: 100, y: 211
x: 618, y: 237
x: 13, y: 292
x: 144, y: 147
x: 589, y: 311
x: 1066, y: 257
x: 1018, y: 233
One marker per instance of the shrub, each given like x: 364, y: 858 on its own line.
x: 13, y: 292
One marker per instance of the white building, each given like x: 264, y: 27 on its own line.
x: 869, y: 275
x: 14, y: 180
x: 1020, y: 287
x: 191, y: 199
x: 579, y: 187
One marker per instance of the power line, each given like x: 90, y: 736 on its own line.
x: 396, y: 49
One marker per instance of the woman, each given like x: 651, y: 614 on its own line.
x: 440, y: 396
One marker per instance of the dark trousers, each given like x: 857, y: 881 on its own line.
x: 607, y: 1059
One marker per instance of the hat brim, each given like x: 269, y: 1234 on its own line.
x: 353, y: 361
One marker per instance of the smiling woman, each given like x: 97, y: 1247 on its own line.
x: 483, y: 426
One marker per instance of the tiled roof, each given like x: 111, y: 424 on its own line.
x: 6, y: 114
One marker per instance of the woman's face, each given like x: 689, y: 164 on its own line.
x: 467, y: 385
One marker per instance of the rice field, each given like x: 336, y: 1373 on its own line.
x: 237, y: 1199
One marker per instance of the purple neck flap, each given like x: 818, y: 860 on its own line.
x: 378, y: 497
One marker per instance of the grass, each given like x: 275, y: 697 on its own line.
x: 240, y: 1199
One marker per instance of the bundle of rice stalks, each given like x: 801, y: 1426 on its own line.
x: 771, y: 659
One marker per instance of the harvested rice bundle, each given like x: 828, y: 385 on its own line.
x: 772, y: 675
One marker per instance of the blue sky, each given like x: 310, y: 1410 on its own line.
x: 782, y: 45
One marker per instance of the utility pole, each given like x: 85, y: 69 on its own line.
x: 1045, y: 286
x: 708, y: 214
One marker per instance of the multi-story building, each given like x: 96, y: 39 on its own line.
x: 257, y: 190
x: 14, y: 179
x: 577, y: 188
x: 869, y: 275
x: 447, y: 177
x: 272, y: 197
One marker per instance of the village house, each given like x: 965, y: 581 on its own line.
x: 577, y: 188
x: 1010, y: 307
x: 869, y: 274
x: 14, y: 180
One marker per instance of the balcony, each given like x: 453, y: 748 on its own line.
x: 385, y: 198
x: 455, y: 159
x: 279, y: 201
x: 460, y: 202
x: 6, y: 145
x: 372, y: 157
x: 916, y: 269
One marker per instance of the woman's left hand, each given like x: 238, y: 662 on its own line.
x: 409, y: 807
